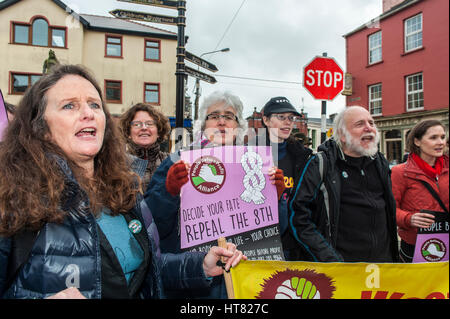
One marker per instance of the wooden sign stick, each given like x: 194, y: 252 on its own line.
x: 226, y: 275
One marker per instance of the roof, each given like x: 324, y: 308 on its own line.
x: 111, y: 24
x: 386, y: 14
x: 108, y: 24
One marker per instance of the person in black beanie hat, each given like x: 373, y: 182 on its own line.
x: 279, y: 117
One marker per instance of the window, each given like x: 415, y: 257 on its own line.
x: 113, y: 91
x: 39, y: 33
x: 21, y: 81
x: 414, y: 92
x: 151, y: 93
x: 413, y: 33
x: 375, y: 101
x: 313, y: 138
x: 375, y: 48
x: 21, y: 33
x: 113, y: 46
x: 58, y: 38
x: 152, y: 50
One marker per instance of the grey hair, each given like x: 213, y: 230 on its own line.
x: 230, y: 100
x: 339, y: 127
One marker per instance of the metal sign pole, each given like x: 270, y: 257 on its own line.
x: 323, y: 125
x: 180, y: 71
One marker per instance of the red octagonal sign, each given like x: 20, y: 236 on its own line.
x: 323, y: 78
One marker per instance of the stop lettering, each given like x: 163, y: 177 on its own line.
x: 323, y: 78
x: 326, y: 78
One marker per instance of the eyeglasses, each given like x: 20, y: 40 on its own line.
x: 291, y: 118
x: 226, y: 117
x: 139, y: 124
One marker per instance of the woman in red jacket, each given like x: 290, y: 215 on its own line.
x: 426, y: 162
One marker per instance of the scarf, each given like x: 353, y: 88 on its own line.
x: 432, y: 172
x: 152, y: 154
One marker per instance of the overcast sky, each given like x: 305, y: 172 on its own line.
x: 269, y: 40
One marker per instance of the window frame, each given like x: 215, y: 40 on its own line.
x: 159, y: 93
x: 33, y: 34
x: 121, y: 46
x: 375, y: 100
x: 11, y: 83
x: 50, y: 35
x: 13, y: 32
x: 145, y: 50
x: 29, y: 25
x: 379, y: 47
x: 407, y: 35
x: 120, y: 88
x: 408, y: 93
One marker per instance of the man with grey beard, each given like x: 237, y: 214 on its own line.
x: 343, y: 209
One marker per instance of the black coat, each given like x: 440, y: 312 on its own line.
x: 68, y: 254
x: 314, y: 210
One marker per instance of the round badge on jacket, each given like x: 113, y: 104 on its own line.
x: 135, y: 226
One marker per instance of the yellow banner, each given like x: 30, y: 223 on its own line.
x: 304, y: 280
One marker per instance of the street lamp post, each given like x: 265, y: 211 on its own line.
x: 197, y: 82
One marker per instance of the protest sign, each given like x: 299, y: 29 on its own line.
x: 229, y: 195
x: 3, y: 116
x: 310, y: 280
x: 432, y: 242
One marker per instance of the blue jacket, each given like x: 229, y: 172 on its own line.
x: 68, y: 254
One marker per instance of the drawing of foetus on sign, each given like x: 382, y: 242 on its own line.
x: 230, y: 195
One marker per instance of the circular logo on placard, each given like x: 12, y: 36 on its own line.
x: 297, y: 284
x: 207, y: 174
x: 433, y: 250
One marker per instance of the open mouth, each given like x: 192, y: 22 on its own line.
x: 88, y: 131
x: 368, y: 138
x: 221, y: 132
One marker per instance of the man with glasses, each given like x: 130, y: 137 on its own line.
x: 279, y: 118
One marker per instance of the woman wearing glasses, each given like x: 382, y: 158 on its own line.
x: 220, y: 122
x: 279, y: 118
x: 144, y: 129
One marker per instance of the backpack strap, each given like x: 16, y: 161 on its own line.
x: 324, y: 191
x: 320, y: 157
x: 21, y: 245
x: 435, y: 195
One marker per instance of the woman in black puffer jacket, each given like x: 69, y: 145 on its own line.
x: 72, y: 223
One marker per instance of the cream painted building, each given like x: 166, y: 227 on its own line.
x: 315, y: 130
x: 131, y: 61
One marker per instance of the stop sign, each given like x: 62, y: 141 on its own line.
x: 323, y: 78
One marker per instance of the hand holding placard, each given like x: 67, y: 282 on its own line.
x: 177, y: 176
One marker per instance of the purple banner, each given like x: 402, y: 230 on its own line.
x: 3, y: 116
x: 432, y: 243
x: 228, y: 193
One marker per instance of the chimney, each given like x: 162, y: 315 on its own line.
x: 388, y: 4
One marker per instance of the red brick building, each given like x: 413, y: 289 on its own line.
x: 399, y: 66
